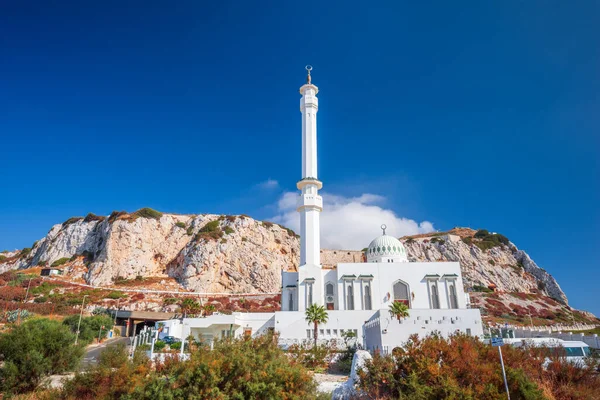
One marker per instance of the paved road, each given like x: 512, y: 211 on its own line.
x: 92, y: 354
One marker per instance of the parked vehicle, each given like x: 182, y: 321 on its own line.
x: 573, y: 351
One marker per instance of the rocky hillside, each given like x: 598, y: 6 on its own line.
x: 237, y: 254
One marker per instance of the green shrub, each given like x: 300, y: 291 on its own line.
x: 159, y: 345
x: 41, y: 299
x: 90, y: 326
x: 35, y: 349
x: 180, y: 225
x: 488, y: 240
x: 169, y: 300
x: 211, y: 226
x: 479, y: 288
x: 2, y: 258
x: 267, y: 224
x: 25, y: 252
x: 175, y: 346
x: 228, y: 230
x: 190, y: 231
x: 148, y: 213
x: 491, y: 262
x: 115, y: 295
x: 244, y: 239
x: 60, y: 262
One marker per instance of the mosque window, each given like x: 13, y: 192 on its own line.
x: 310, y: 294
x: 394, y: 248
x: 291, y: 300
x: 435, y: 298
x: 379, y: 249
x: 389, y: 248
x: 350, y: 297
x: 367, y: 297
x: 401, y: 293
x: 453, y: 297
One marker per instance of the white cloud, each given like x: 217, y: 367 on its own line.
x: 351, y: 222
x: 268, y: 184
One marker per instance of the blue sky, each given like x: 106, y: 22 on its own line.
x: 483, y: 116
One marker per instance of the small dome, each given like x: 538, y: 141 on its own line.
x: 386, y: 249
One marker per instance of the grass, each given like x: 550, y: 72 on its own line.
x: 148, y: 213
x: 60, y: 262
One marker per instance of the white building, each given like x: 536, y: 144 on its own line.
x: 356, y: 295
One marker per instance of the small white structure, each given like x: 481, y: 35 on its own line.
x: 357, y: 296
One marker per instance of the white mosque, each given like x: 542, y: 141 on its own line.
x: 357, y: 296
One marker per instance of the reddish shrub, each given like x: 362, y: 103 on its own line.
x: 12, y: 293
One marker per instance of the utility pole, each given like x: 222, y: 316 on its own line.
x: 80, y: 315
x: 116, y: 312
x: 24, y: 301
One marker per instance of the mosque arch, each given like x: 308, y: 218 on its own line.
x: 401, y: 292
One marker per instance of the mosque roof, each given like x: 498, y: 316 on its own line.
x: 387, y: 246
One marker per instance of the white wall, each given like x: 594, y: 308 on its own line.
x: 393, y: 333
x: 413, y: 273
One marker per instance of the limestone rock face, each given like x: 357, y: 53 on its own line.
x: 237, y: 254
x: 505, y: 266
x: 247, y: 256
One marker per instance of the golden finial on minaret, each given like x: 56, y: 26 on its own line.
x: 308, y: 69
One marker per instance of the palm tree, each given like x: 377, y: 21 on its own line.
x: 189, y: 306
x: 398, y: 310
x: 316, y: 315
x: 208, y: 309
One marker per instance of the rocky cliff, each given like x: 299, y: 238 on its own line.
x: 237, y: 254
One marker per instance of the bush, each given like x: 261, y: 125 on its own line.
x: 180, y: 225
x: 234, y: 369
x: 212, y: 226
x: 71, y: 220
x: 41, y: 299
x: 90, y: 326
x: 479, y: 288
x: 35, y: 349
x: 25, y: 252
x: 93, y: 217
x: 175, y: 346
x: 60, y: 262
x: 148, y: 213
x: 267, y: 224
x: 159, y: 345
x: 115, y: 295
x: 228, y: 230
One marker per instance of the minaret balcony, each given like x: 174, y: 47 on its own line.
x: 309, y: 181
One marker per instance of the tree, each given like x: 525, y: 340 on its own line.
x: 316, y: 315
x: 35, y: 349
x: 208, y: 309
x: 90, y: 326
x: 398, y: 310
x: 189, y: 306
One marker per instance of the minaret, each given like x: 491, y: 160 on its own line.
x: 310, y: 204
